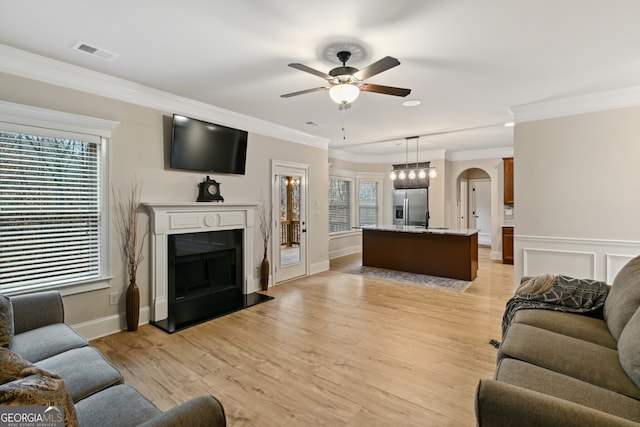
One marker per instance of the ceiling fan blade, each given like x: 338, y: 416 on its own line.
x: 302, y: 92
x: 386, y: 90
x: 310, y: 70
x: 377, y: 67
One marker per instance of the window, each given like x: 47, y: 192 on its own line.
x: 367, y: 202
x: 339, y: 205
x: 53, y: 214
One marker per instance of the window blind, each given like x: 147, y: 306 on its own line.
x: 368, y: 202
x: 50, y: 211
x: 339, y: 205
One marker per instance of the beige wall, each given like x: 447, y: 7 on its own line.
x: 493, y: 167
x: 138, y: 149
x: 577, y: 193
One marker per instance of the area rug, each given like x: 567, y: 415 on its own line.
x: 443, y: 283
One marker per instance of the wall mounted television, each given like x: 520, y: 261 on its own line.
x: 207, y: 147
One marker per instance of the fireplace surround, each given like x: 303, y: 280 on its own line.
x: 201, y: 262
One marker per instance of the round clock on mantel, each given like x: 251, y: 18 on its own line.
x: 209, y: 191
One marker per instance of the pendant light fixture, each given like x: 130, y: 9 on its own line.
x: 411, y: 173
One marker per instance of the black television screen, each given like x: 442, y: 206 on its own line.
x: 207, y: 147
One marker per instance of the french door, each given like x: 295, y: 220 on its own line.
x: 290, y: 217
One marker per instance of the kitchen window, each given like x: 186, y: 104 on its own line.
x: 340, y: 204
x: 368, y: 202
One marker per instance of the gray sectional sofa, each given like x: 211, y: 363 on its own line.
x: 563, y: 369
x: 38, y: 347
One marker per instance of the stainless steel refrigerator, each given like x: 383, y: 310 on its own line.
x: 411, y: 207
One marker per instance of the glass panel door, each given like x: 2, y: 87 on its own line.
x: 290, y: 251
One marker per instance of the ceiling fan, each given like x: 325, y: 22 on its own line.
x: 345, y: 83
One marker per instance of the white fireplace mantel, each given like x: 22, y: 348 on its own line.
x: 194, y: 217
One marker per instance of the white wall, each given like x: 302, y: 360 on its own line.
x: 577, y: 194
x: 138, y: 148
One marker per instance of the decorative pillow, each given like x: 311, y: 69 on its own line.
x: 38, y: 390
x: 624, y: 298
x: 13, y: 367
x: 629, y: 348
x: 24, y: 384
x: 6, y: 321
x: 537, y: 285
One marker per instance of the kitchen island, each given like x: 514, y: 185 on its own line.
x: 443, y: 252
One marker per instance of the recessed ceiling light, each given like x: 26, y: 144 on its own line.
x: 509, y: 124
x: 412, y: 103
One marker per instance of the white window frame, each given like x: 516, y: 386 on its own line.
x: 354, y: 178
x: 377, y: 178
x: 38, y: 121
x: 351, y: 181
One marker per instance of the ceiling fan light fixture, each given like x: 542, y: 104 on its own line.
x: 344, y: 93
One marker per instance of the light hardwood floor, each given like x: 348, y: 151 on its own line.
x: 331, y: 349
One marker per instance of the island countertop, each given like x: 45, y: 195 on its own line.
x: 421, y: 230
x: 451, y: 252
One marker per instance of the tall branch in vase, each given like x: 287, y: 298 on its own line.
x: 265, y: 215
x: 127, y: 226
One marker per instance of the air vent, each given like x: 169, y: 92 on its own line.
x: 95, y: 51
x: 311, y: 123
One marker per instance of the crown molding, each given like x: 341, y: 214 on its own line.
x: 489, y: 153
x: 41, y: 117
x: 36, y: 67
x: 598, y: 101
x: 425, y: 156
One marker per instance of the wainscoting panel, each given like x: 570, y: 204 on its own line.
x: 615, y: 264
x: 582, y: 258
x: 570, y: 263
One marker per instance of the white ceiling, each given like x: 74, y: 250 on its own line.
x: 468, y: 61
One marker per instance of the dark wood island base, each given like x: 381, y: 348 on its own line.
x: 438, y: 253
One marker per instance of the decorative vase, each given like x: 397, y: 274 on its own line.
x: 264, y: 273
x: 133, y: 306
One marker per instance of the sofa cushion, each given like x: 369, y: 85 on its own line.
x: 41, y: 343
x: 629, y: 348
x: 574, y: 325
x: 6, y: 321
x: 121, y: 405
x: 589, y: 362
x: 84, y: 370
x: 554, y: 384
x: 624, y: 297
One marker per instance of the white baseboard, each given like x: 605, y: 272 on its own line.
x: 109, y: 325
x: 496, y: 255
x: 337, y: 253
x: 319, y: 267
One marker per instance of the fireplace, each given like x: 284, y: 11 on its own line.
x: 205, y: 275
x: 201, y: 262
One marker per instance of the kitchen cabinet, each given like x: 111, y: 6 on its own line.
x: 507, y: 245
x: 508, y: 180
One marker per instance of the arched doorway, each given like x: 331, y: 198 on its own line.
x: 474, y: 202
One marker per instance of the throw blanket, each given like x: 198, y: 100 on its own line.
x: 559, y: 293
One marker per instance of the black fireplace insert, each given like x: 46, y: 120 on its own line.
x: 205, y: 277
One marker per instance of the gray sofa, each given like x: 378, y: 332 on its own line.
x: 556, y: 368
x: 96, y: 388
